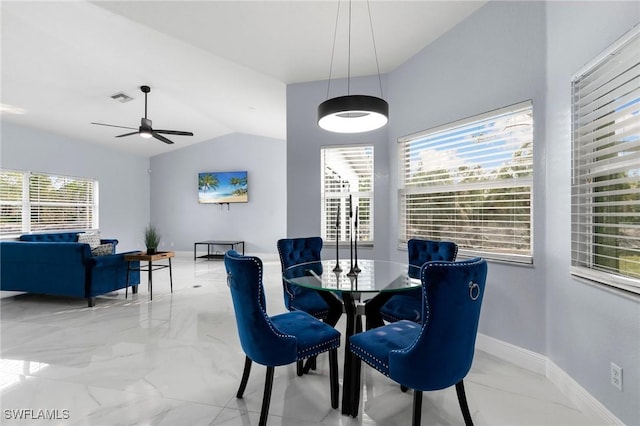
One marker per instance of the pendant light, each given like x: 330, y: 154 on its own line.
x: 353, y: 113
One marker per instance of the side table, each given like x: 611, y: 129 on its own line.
x: 149, y: 258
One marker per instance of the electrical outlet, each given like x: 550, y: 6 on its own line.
x: 616, y: 376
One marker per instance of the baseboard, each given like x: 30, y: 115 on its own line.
x: 579, y: 395
x: 540, y: 364
x: 521, y: 357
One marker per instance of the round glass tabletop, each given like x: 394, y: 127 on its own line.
x: 374, y: 276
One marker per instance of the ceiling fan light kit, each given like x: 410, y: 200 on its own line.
x: 146, y: 130
x: 353, y: 113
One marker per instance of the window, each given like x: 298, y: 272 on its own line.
x: 471, y: 182
x: 605, y: 190
x: 32, y: 202
x: 347, y: 176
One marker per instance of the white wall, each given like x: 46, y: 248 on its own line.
x: 183, y: 221
x: 587, y: 327
x: 123, y: 178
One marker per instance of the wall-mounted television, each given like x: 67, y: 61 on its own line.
x: 222, y: 187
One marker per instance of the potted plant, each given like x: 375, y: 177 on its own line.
x: 151, y: 239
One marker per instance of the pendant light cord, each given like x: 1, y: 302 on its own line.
x: 349, y: 55
x: 375, y: 50
x: 333, y: 50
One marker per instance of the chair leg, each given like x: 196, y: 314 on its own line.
x: 309, y: 365
x: 266, y: 398
x: 462, y: 399
x: 245, y: 377
x: 333, y: 377
x: 335, y: 307
x: 356, y: 365
x: 300, y: 367
x: 417, y: 408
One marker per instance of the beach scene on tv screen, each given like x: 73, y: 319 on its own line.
x: 222, y: 187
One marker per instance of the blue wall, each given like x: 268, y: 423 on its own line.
x: 123, y: 178
x: 588, y: 326
x: 495, y: 58
x: 183, y: 221
x: 505, y: 53
x: 304, y: 140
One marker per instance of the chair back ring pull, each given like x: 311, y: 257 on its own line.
x: 474, y: 290
x: 229, y: 279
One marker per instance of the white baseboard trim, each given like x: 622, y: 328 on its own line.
x: 579, y: 395
x: 521, y: 357
x: 540, y: 364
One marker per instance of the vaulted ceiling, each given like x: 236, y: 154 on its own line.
x: 214, y: 67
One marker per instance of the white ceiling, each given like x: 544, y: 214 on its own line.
x: 214, y: 67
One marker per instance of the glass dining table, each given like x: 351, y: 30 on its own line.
x: 376, y: 278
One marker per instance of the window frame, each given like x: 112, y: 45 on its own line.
x: 451, y: 129
x: 328, y: 220
x: 584, y: 252
x: 31, y: 205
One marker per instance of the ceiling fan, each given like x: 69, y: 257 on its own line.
x: 145, y: 130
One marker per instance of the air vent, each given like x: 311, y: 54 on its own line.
x: 121, y: 97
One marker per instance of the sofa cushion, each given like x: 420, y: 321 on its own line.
x: 54, y: 237
x: 102, y: 250
x: 91, y: 238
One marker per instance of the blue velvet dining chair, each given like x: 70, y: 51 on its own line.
x: 407, y: 305
x: 321, y: 304
x: 437, y: 353
x: 277, y: 340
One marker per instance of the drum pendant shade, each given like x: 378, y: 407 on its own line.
x: 353, y: 114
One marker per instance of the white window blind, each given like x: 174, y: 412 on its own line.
x: 11, y: 202
x: 33, y: 202
x: 470, y: 182
x: 605, y: 204
x: 347, y: 175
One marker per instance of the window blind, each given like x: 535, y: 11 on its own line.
x: 347, y: 176
x: 33, y: 202
x: 605, y: 203
x: 471, y: 182
x: 60, y: 202
x: 11, y: 208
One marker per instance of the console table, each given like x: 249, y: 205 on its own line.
x: 210, y: 244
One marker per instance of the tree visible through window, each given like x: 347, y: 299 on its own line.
x: 606, y: 167
x: 347, y: 176
x: 470, y: 182
x: 32, y: 202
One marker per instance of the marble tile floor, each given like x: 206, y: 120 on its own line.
x: 177, y: 360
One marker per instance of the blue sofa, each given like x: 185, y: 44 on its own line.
x: 56, y: 264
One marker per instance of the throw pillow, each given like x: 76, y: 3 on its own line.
x: 91, y: 238
x: 102, y: 250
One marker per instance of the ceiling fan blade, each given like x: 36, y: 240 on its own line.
x: 161, y: 138
x: 127, y: 134
x: 113, y: 125
x: 174, y: 132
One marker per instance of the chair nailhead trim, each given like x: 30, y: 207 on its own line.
x: 363, y: 353
x: 318, y: 349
